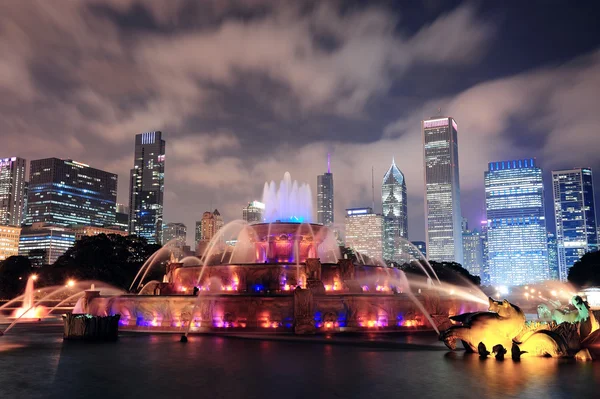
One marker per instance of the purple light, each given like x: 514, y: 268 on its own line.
x: 435, y: 123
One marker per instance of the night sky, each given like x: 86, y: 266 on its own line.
x: 245, y: 90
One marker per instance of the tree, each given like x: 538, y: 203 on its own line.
x: 448, y: 272
x: 14, y: 272
x: 586, y: 271
x: 112, y: 258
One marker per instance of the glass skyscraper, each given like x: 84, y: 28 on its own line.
x: 44, y: 244
x: 473, y: 252
x: 517, y: 243
x: 12, y: 191
x: 395, y: 215
x: 325, y: 196
x: 147, y: 187
x: 575, y: 216
x: 553, y: 257
x: 485, y: 266
x: 442, y: 190
x: 64, y: 192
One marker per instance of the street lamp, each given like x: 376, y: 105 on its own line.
x: 70, y: 283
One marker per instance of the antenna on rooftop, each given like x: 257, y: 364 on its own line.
x: 373, y: 186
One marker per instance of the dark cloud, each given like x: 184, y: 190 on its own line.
x: 246, y: 90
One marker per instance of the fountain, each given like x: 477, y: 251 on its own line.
x: 53, y: 297
x: 285, y: 274
x: 28, y: 311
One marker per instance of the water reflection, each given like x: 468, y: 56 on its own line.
x: 160, y: 366
x: 528, y: 377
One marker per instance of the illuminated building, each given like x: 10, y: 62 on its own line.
x: 12, y: 190
x: 206, y: 229
x: 364, y: 232
x: 553, y: 257
x: 421, y: 246
x: 485, y: 268
x: 122, y: 218
x: 516, y: 224
x: 325, y: 196
x: 395, y: 215
x: 472, y: 252
x: 442, y: 190
x: 9, y: 241
x: 575, y: 216
x: 210, y: 224
x: 43, y: 244
x: 147, y: 187
x: 253, y: 213
x: 88, y: 231
x: 198, y: 233
x: 63, y: 192
x: 176, y: 232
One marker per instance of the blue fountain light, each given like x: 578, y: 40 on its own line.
x: 290, y: 202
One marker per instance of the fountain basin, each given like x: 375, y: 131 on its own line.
x: 275, y: 312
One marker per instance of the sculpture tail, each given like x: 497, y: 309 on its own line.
x: 544, y: 343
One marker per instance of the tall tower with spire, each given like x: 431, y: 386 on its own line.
x: 325, y: 195
x: 395, y: 215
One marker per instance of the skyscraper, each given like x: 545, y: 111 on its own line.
x: 253, y: 213
x: 147, y: 187
x: 364, y: 232
x: 176, y: 232
x: 210, y: 224
x: 516, y: 233
x: 64, y: 192
x: 442, y: 190
x: 206, y: 229
x: 553, y: 257
x: 395, y: 215
x: 122, y: 217
x: 197, y: 233
x: 43, y: 244
x: 12, y: 190
x: 472, y: 252
x: 485, y: 268
x: 325, y: 196
x: 575, y: 216
x: 421, y: 246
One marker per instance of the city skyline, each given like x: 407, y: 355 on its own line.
x: 524, y: 106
